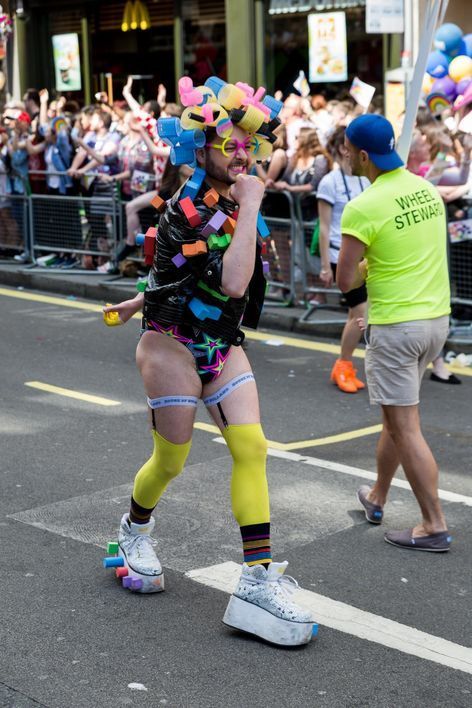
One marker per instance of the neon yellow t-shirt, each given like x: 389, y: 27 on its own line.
x: 401, y: 220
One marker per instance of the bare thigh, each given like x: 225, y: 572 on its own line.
x: 168, y: 368
x: 242, y: 405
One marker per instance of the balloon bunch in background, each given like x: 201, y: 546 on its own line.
x: 449, y: 68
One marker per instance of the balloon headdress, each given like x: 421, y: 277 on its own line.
x: 220, y: 105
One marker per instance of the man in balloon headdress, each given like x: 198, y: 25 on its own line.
x: 206, y: 280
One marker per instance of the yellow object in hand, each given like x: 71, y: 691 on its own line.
x: 111, y: 319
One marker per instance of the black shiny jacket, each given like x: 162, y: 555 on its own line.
x: 170, y: 288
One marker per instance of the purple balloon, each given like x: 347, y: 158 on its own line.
x: 462, y: 85
x: 446, y: 86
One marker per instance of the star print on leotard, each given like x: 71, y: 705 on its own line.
x: 210, y: 345
x: 217, y: 367
x: 172, y: 331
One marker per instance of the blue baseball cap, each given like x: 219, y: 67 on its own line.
x: 374, y: 134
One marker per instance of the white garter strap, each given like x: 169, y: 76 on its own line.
x: 228, y: 388
x: 164, y: 401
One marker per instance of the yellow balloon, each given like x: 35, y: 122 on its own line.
x: 427, y: 84
x: 460, y: 68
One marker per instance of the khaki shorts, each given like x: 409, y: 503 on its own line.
x: 397, y: 356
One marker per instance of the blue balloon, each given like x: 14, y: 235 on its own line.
x: 448, y: 37
x: 459, y: 50
x: 438, y: 65
x: 467, y: 39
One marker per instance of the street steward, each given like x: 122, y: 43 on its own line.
x: 398, y: 226
x: 205, y: 282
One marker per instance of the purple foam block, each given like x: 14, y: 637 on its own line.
x: 126, y: 582
x: 265, y: 267
x: 179, y: 260
x: 215, y: 223
x: 136, y: 584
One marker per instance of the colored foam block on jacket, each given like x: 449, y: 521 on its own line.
x: 158, y: 203
x: 211, y: 198
x: 210, y: 291
x: 215, y: 224
x: 194, y: 184
x: 141, y: 285
x: 265, y: 267
x: 229, y: 225
x: 216, y: 242
x: 264, y: 248
x: 191, y: 214
x: 202, y: 311
x: 262, y: 227
x: 149, y: 245
x: 194, y: 249
x: 178, y: 260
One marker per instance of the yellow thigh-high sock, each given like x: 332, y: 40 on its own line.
x: 249, y: 489
x: 166, y: 462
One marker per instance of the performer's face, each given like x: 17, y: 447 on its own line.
x: 225, y: 159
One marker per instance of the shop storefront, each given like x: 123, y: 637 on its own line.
x: 266, y: 42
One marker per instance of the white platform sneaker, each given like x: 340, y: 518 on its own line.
x: 261, y: 605
x: 136, y: 547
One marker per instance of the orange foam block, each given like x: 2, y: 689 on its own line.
x: 158, y: 203
x: 211, y: 198
x: 192, y: 215
x: 194, y: 249
x: 229, y: 225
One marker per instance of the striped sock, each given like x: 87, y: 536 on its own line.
x: 138, y: 514
x: 256, y: 544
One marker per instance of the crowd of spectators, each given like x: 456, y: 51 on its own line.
x: 99, y: 151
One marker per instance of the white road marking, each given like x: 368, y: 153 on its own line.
x: 357, y: 623
x: 444, y: 494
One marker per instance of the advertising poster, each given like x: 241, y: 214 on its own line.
x: 66, y: 55
x: 327, y: 47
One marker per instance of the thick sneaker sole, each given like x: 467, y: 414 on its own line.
x: 150, y: 583
x: 254, y: 620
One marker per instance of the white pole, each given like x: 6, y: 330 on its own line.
x: 429, y: 25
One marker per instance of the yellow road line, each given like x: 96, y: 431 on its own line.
x: 99, y: 400
x: 340, y: 437
x: 298, y: 343
x: 329, y: 440
x: 207, y: 427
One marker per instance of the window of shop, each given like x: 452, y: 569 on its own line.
x: 287, y: 46
x: 204, y: 39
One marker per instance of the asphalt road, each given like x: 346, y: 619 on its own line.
x: 397, y: 628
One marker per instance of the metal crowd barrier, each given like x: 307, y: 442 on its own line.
x: 14, y: 225
x: 460, y: 274
x: 278, y: 210
x: 314, y: 295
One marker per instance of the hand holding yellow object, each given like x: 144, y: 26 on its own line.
x: 110, y: 316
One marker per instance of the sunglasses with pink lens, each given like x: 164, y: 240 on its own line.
x: 231, y: 146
